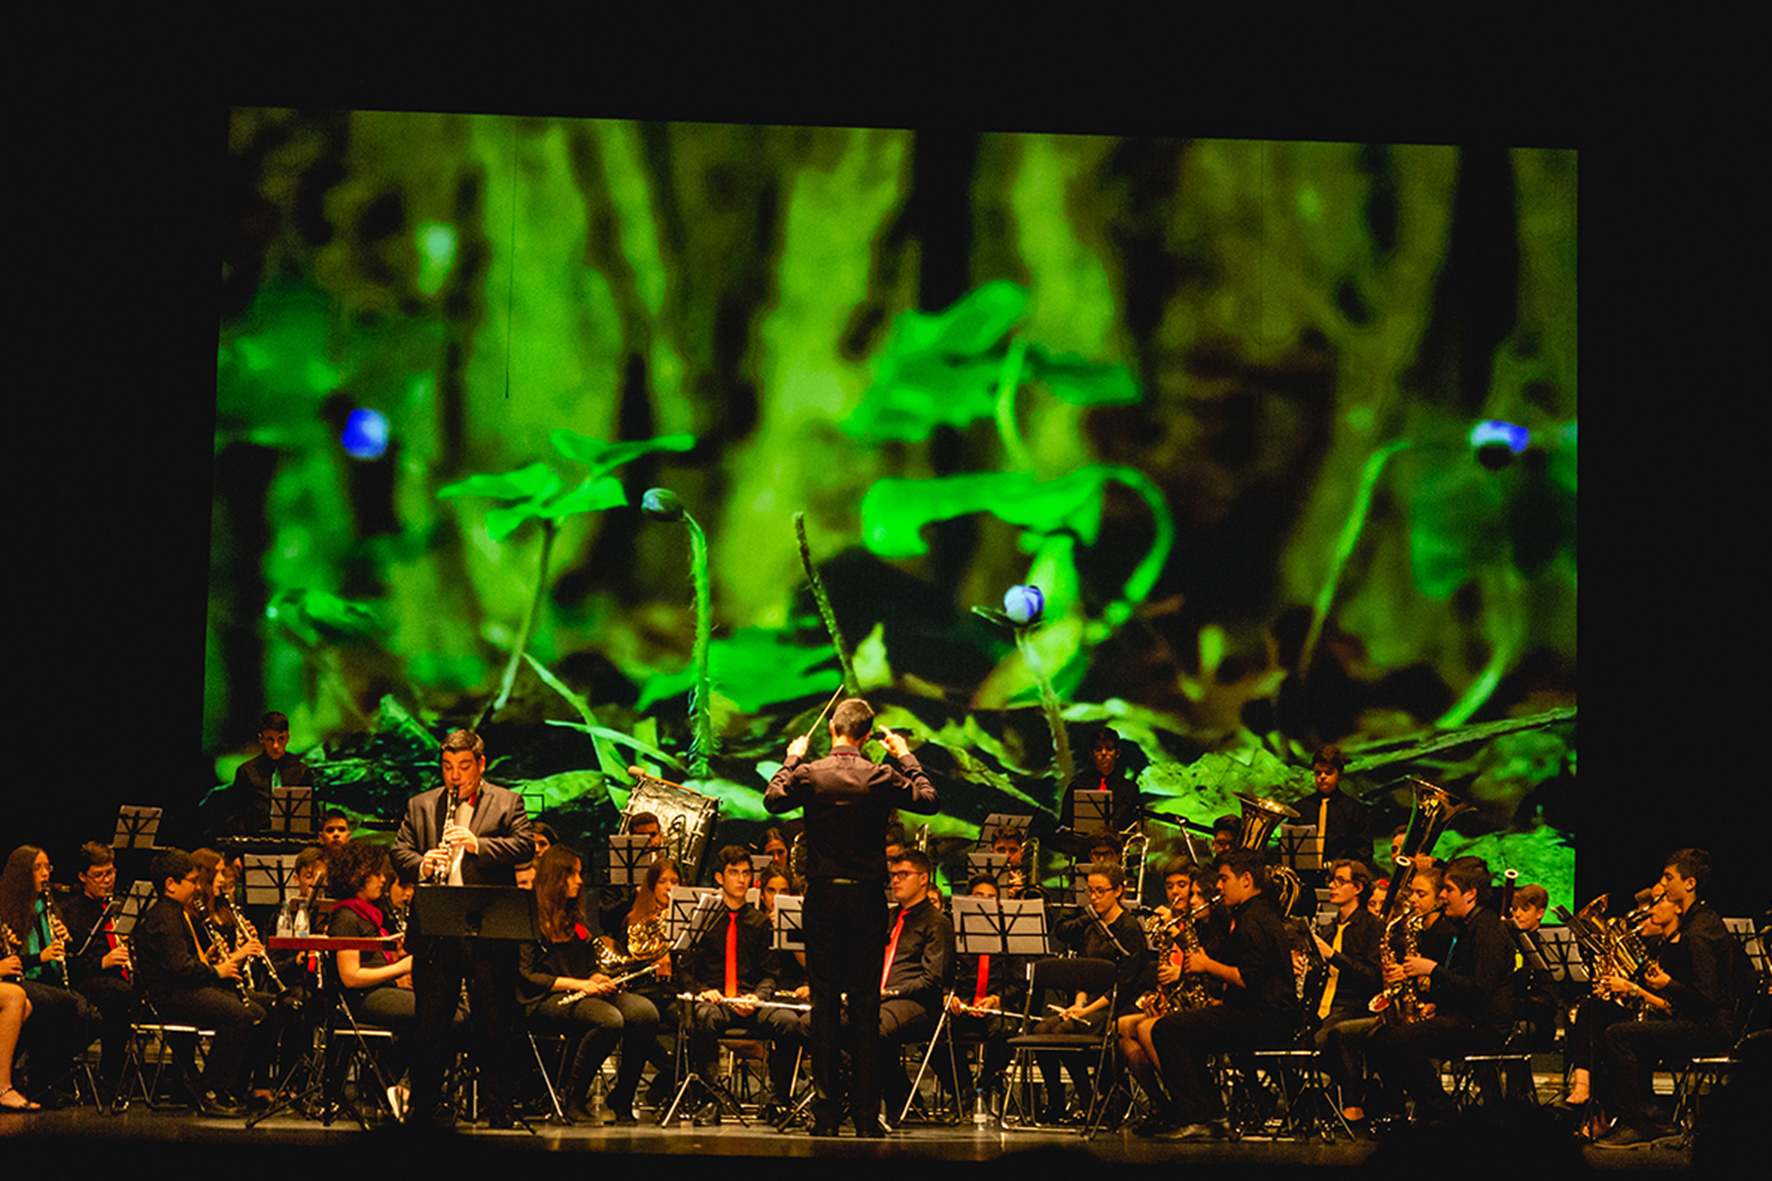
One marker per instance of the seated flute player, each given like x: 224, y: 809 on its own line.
x: 731, y: 972
x: 917, y: 971
x: 1105, y: 930
x: 565, y: 991
x: 988, y: 992
x: 1260, y: 1004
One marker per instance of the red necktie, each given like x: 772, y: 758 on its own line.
x: 891, y: 950
x: 984, y: 978
x: 731, y: 953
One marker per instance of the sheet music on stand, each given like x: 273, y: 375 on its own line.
x: 292, y: 810
x: 997, y: 822
x: 692, y: 912
x: 790, y: 927
x: 1091, y: 811
x: 270, y: 878
x: 995, y: 865
x: 1298, y: 847
x: 137, y: 826
x: 1000, y: 926
x: 760, y: 863
x: 139, y: 898
x: 629, y: 857
x: 1531, y: 950
x: 1562, y: 955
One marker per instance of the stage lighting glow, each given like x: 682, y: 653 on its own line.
x: 1493, y: 430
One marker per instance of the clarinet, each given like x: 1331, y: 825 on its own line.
x: 220, y: 948
x: 58, y: 930
x: 252, y: 937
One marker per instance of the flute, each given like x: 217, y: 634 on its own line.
x: 579, y: 994
x: 753, y: 1003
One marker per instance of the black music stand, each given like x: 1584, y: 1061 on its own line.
x: 997, y: 822
x: 292, y: 810
x: 502, y: 913
x: 270, y: 878
x: 629, y: 857
x: 1091, y: 811
x: 693, y: 913
x: 790, y: 927
x: 137, y: 826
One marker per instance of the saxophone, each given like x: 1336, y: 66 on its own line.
x: 1189, y: 989
x: 1400, y: 1003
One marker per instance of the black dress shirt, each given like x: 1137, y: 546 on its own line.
x: 1473, y: 978
x: 755, y: 958
x: 1123, y: 942
x: 1261, y: 951
x: 923, y: 962
x: 847, y: 800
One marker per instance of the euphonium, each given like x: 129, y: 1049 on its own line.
x: 1434, y: 807
x: 1260, y: 817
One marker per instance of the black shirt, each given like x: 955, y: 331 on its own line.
x: 1472, y: 980
x: 167, y: 957
x: 1123, y: 812
x: 847, y: 800
x: 1702, y: 962
x: 83, y: 914
x: 249, y: 797
x: 1357, y: 961
x: 1261, y: 951
x: 1123, y: 942
x: 923, y: 962
x: 755, y: 957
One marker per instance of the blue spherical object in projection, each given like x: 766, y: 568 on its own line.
x: 366, y: 434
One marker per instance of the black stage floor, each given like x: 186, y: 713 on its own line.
x: 1524, y: 1144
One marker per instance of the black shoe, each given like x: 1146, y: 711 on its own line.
x: 1155, y: 1127
x: 874, y: 1129
x: 215, y: 1105
x: 1628, y: 1135
x: 827, y: 1127
x: 500, y: 1119
x: 1188, y: 1133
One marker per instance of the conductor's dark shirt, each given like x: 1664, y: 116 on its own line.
x: 847, y: 799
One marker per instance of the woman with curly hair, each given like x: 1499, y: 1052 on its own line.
x: 563, y: 991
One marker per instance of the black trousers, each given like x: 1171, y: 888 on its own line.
x: 601, y: 1023
x: 1185, y: 1043
x: 845, y: 924
x: 62, y: 1024
x: 489, y: 968
x: 1630, y: 1051
x: 236, y: 1023
x: 1404, y: 1056
x: 114, y: 998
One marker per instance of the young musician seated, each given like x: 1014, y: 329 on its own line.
x: 186, y: 988
x: 63, y: 1021
x: 98, y: 961
x: 14, y: 1011
x: 376, y: 986
x: 1351, y: 949
x: 644, y: 934
x: 1467, y: 988
x: 1344, y: 1041
x: 1260, y: 1004
x: 918, y: 969
x: 1185, y: 907
x: 1104, y: 930
x: 988, y: 994
x: 731, y: 970
x: 564, y: 991
x: 1689, y: 997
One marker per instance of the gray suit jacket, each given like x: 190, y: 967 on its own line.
x: 500, y: 821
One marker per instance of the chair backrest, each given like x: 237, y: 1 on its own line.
x: 1067, y: 975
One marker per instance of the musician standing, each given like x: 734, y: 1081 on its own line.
x: 249, y: 797
x: 847, y: 800
x: 1340, y: 818
x: 1104, y: 753
x: 475, y: 833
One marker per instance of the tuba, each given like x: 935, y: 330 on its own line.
x: 1434, y: 807
x: 1260, y: 817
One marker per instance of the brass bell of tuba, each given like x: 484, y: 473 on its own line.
x: 1434, y: 807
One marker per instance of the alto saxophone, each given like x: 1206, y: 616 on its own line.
x: 1189, y: 989
x: 1400, y: 1003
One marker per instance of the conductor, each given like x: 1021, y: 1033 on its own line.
x: 847, y: 800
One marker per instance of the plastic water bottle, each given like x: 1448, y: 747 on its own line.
x: 981, y: 1108
x: 301, y: 919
